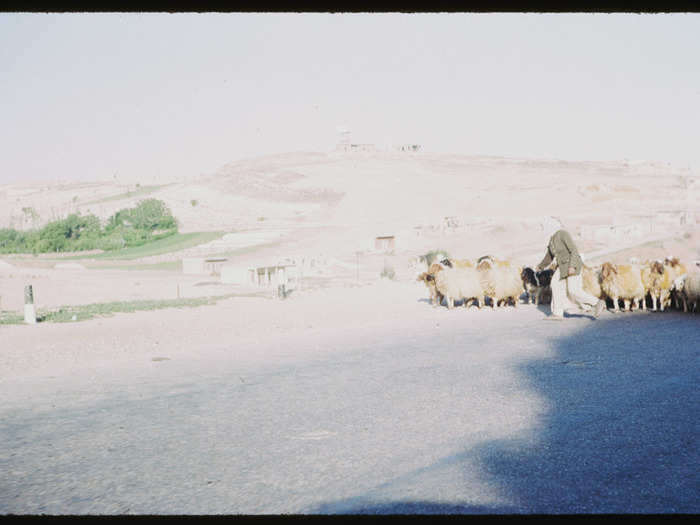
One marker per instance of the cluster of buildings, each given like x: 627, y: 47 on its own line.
x: 372, y: 148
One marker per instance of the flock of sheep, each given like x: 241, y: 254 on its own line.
x: 662, y: 282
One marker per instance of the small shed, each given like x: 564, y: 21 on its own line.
x: 263, y: 275
x: 408, y: 147
x: 385, y: 243
x: 202, y: 265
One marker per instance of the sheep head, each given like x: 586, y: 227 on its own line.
x: 657, y: 267
x: 484, y: 265
x: 607, y: 270
x: 672, y: 261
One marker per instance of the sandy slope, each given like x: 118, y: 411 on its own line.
x: 329, y: 206
x: 382, y: 189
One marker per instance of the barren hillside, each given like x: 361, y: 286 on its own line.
x: 341, y: 201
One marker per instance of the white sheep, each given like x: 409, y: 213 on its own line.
x: 459, y: 282
x: 688, y: 286
x: 500, y: 280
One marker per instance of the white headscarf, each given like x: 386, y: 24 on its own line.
x: 550, y: 225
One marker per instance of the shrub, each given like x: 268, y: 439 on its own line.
x: 149, y: 214
x: 148, y: 221
x: 12, y: 241
x: 73, y: 233
x: 388, y: 271
x: 434, y: 255
x: 30, y: 213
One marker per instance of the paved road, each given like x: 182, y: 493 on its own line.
x: 471, y: 416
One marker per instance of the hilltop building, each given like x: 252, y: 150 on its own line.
x: 408, y: 147
x: 367, y: 148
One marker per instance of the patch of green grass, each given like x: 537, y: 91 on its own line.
x: 171, y: 243
x: 11, y: 318
x: 64, y: 314
x: 142, y: 190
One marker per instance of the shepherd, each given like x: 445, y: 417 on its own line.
x: 567, y: 283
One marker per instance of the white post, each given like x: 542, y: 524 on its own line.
x: 282, y: 282
x: 29, y: 311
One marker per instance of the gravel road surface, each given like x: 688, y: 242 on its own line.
x: 401, y: 408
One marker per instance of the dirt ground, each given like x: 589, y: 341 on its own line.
x: 330, y: 207
x: 68, y: 388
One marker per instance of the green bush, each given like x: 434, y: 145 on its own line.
x: 148, y: 221
x: 433, y: 256
x: 149, y: 214
x: 12, y: 241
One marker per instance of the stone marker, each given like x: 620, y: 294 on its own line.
x: 29, y: 311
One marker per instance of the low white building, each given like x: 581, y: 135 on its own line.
x: 280, y: 276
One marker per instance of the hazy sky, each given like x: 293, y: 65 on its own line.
x: 85, y: 96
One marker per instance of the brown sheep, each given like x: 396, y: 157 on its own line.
x: 657, y: 282
x: 590, y: 278
x: 429, y: 279
x: 622, y: 281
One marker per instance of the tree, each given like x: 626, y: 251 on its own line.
x: 149, y: 214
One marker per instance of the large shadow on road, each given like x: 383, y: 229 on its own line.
x: 620, y: 434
